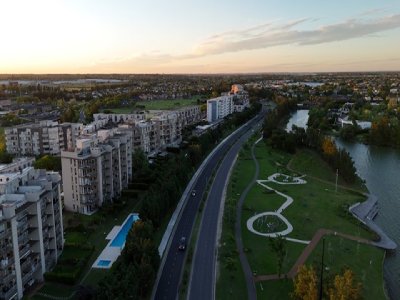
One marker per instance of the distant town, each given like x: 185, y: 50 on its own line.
x: 111, y: 186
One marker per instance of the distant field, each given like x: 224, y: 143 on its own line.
x: 156, y: 105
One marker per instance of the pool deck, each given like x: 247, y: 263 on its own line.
x: 111, y: 253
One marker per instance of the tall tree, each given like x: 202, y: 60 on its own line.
x: 278, y: 246
x: 345, y: 287
x: 305, y: 284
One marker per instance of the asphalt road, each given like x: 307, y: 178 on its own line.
x: 202, y: 281
x: 168, y: 284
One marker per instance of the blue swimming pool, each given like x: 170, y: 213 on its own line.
x: 119, y: 239
x: 104, y: 263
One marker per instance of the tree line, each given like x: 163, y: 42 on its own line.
x: 313, y: 138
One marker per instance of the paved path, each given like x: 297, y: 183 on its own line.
x: 248, y: 274
x: 278, y: 212
x: 307, y: 251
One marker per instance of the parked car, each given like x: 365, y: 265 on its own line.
x: 182, y: 244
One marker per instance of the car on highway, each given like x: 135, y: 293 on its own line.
x: 182, y: 244
x: 193, y: 193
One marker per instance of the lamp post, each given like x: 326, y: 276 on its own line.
x: 322, y: 270
x: 337, y: 175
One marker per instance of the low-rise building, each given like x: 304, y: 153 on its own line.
x: 31, y: 229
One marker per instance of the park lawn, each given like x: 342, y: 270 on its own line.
x: 275, y: 290
x: 167, y: 104
x: 155, y: 105
x: 316, y: 205
x: 304, y: 162
x: 231, y: 283
x: 366, y: 261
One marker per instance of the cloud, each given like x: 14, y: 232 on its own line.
x: 268, y: 35
x: 262, y: 37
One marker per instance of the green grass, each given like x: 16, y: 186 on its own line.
x: 366, y: 260
x: 156, y: 105
x: 168, y: 104
x: 316, y: 205
x: 274, y: 290
x: 304, y: 162
x: 52, y: 288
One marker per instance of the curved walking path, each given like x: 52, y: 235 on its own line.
x: 278, y: 213
x: 248, y: 274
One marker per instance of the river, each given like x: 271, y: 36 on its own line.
x: 380, y: 168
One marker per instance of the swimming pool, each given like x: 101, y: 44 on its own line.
x: 119, y: 240
x: 104, y: 263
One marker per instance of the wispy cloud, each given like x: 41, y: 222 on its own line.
x: 269, y: 36
x: 272, y: 34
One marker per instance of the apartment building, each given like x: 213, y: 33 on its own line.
x: 154, y: 130
x: 45, y: 137
x: 97, y: 169
x: 220, y: 107
x: 240, y: 98
x: 31, y: 229
x: 236, y: 100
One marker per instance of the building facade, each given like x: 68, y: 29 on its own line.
x: 220, y: 107
x: 45, y: 137
x: 97, y: 169
x: 31, y: 228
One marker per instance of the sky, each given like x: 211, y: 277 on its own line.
x: 207, y: 36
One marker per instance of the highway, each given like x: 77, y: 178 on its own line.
x: 169, y: 279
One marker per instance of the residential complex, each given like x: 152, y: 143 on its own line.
x: 151, y: 131
x: 96, y: 170
x: 154, y: 130
x: 45, y: 137
x: 236, y: 100
x: 31, y: 229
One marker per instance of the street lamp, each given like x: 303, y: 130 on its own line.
x: 322, y: 269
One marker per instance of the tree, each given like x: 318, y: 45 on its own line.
x: 344, y: 287
x: 328, y: 146
x: 278, y: 246
x: 48, y: 162
x: 305, y: 284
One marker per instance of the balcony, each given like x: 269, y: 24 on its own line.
x: 11, y: 293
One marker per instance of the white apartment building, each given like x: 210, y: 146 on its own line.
x: 97, y: 170
x: 31, y: 229
x: 220, y: 107
x: 234, y: 101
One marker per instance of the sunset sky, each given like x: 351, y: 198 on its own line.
x: 185, y: 36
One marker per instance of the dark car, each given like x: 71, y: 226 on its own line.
x: 182, y: 244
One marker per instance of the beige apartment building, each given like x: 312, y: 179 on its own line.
x: 31, y: 229
x: 97, y: 169
x: 154, y: 130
